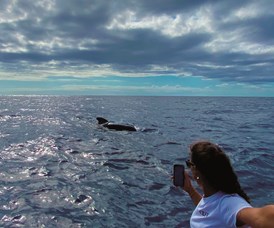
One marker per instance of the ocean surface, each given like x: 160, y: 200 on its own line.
x: 58, y: 168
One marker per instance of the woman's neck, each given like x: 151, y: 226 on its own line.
x: 208, y: 190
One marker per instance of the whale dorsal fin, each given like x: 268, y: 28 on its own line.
x: 101, y: 120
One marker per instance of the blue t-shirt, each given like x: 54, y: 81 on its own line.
x: 218, y: 210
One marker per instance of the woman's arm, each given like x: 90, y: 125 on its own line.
x: 193, y: 193
x: 257, y: 217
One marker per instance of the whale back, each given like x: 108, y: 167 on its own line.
x: 101, y: 120
x: 120, y: 127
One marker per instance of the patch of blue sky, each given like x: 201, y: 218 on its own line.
x: 150, y: 85
x: 153, y: 80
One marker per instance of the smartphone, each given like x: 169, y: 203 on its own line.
x: 178, y: 175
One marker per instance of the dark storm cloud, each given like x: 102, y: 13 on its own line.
x: 230, y: 40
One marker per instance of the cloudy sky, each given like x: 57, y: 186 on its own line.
x: 137, y: 47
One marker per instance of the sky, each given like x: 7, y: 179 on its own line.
x: 137, y: 47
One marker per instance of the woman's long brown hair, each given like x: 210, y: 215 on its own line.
x: 215, y: 166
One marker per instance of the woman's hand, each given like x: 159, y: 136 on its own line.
x: 187, y: 183
x: 193, y: 193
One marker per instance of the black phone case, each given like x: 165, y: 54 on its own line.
x: 178, y: 175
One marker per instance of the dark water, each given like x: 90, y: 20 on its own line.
x: 59, y: 169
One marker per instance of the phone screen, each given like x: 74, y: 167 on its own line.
x: 178, y: 175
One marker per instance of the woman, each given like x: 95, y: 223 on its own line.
x: 223, y: 203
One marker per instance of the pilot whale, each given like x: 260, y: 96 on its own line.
x: 118, y: 127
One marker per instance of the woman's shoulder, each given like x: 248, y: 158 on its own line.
x: 233, y: 199
x: 222, y: 196
x: 231, y: 204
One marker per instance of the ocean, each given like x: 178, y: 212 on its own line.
x: 60, y: 169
